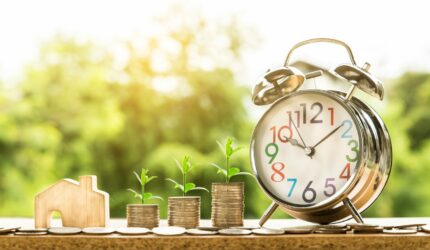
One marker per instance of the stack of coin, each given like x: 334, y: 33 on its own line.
x: 143, y: 215
x: 184, y: 211
x: 227, y: 204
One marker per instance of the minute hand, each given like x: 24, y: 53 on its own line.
x: 327, y: 136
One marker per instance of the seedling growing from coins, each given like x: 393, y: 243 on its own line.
x: 228, y: 150
x: 144, y: 179
x: 185, y: 166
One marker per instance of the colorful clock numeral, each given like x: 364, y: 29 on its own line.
x: 272, y: 150
x: 346, y: 172
x: 280, y: 134
x: 294, y: 181
x: 331, y: 116
x: 309, y: 191
x: 329, y: 186
x: 301, y: 115
x: 354, y: 149
x: 348, y: 126
x: 277, y: 175
x: 319, y: 107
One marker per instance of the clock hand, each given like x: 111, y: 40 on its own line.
x: 298, y: 131
x: 294, y: 142
x: 327, y: 136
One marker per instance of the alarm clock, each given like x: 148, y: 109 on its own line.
x: 323, y: 156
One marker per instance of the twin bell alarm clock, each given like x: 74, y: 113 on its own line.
x: 322, y: 156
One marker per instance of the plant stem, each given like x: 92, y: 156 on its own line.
x: 228, y: 167
x: 143, y: 193
x: 184, y: 181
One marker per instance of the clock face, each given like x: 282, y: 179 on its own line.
x: 306, y: 149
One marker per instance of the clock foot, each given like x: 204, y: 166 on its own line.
x: 355, y: 214
x: 269, y: 211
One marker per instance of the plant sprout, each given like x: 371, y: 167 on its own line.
x: 144, y: 179
x: 185, y: 166
x: 228, y: 151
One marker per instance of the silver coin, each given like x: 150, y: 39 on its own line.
x: 8, y: 230
x: 331, y: 231
x: 31, y: 233
x: 98, y: 230
x: 399, y: 231
x: 416, y: 225
x: 425, y: 229
x: 247, y: 227
x: 132, y: 230
x: 268, y: 231
x: 298, y: 230
x: 197, y: 231
x: 234, y: 231
x: 32, y: 230
x: 64, y: 230
x: 370, y: 230
x: 361, y: 226
x: 331, y: 226
x: 173, y: 230
x: 209, y: 228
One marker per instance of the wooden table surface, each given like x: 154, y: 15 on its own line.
x: 151, y: 241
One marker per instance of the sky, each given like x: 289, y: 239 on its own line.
x: 392, y: 35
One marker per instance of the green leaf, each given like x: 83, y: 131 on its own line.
x: 189, y: 186
x: 220, y: 169
x: 137, y: 177
x: 136, y: 194
x: 156, y: 197
x: 232, y: 172
x: 147, y: 196
x: 143, y: 176
x: 177, y: 185
x: 244, y: 173
x: 150, y: 179
x: 199, y: 188
x: 229, y: 147
x: 186, y: 164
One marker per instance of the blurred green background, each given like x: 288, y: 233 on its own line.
x: 74, y: 111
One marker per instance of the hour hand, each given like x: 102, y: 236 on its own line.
x: 294, y: 142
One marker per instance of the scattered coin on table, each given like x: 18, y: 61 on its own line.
x: 399, y: 231
x: 32, y: 230
x: 268, y: 231
x: 369, y: 230
x: 132, y: 230
x: 8, y: 230
x: 330, y: 226
x: 30, y: 233
x: 209, y: 228
x: 197, y: 231
x: 331, y: 231
x: 64, y: 230
x: 360, y: 226
x: 234, y: 231
x: 169, y: 231
x: 98, y: 230
x: 425, y: 229
x: 246, y: 227
x: 410, y: 226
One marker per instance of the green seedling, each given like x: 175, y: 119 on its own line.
x: 144, y: 179
x: 185, y: 166
x: 228, y: 151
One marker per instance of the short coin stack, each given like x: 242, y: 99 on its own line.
x: 141, y: 215
x: 184, y: 211
x: 227, y: 204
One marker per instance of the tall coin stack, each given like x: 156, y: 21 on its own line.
x: 143, y: 215
x: 184, y: 211
x: 227, y: 204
